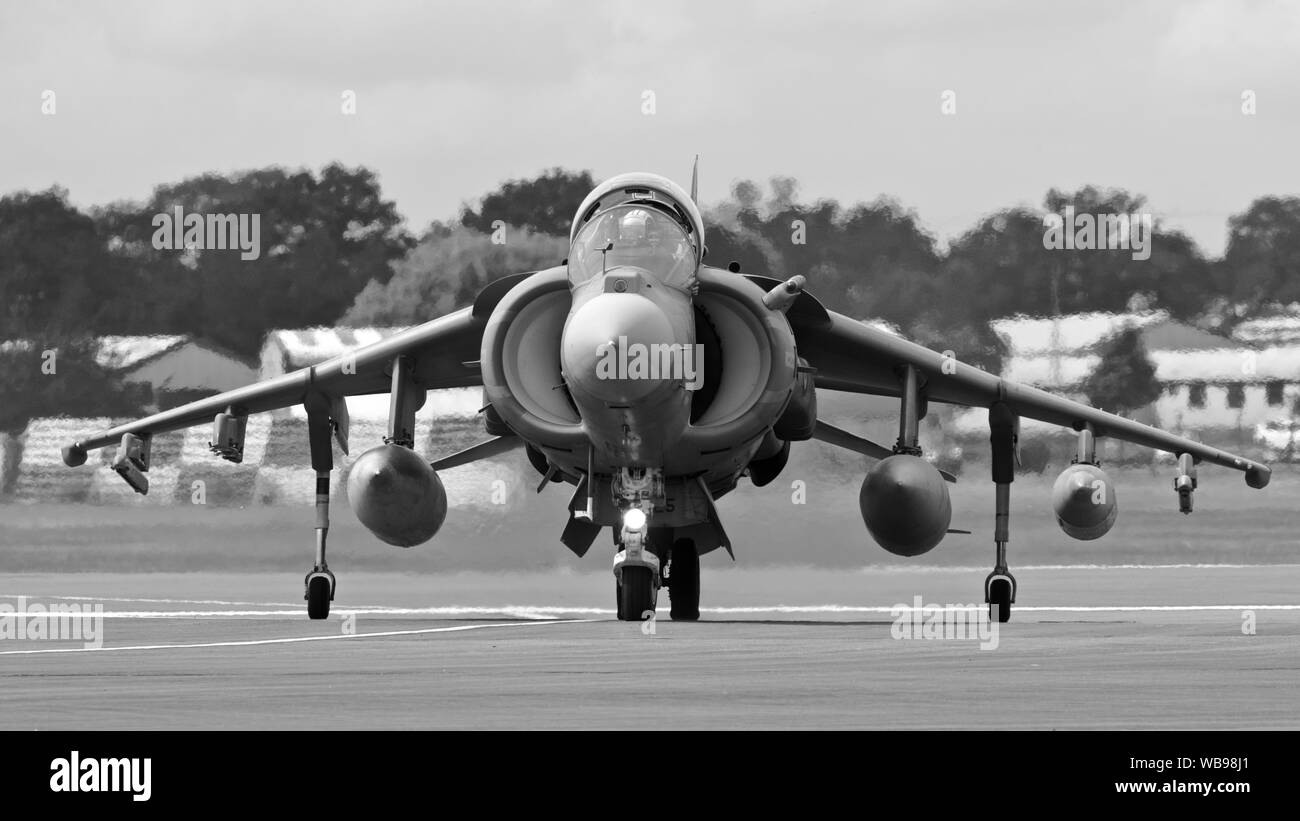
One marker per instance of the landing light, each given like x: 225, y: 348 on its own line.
x: 634, y: 518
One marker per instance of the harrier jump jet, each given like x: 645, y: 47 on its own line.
x: 652, y: 383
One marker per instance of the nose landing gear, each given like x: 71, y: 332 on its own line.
x: 636, y: 589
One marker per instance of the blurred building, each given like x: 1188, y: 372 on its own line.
x: 277, y: 463
x: 285, y: 351
x: 172, y: 370
x: 1212, y: 384
x: 288, y: 350
x: 166, y: 369
x: 1278, y: 330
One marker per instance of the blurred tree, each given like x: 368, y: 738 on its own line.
x: 889, y: 265
x: 1001, y: 267
x: 727, y: 245
x: 54, y: 268
x: 1175, y: 274
x: 331, y: 244
x: 804, y: 237
x: 544, y: 204
x: 1178, y: 276
x: 1124, y: 379
x: 67, y: 383
x: 875, y: 260
x: 443, y: 273
x: 785, y: 192
x: 1261, y: 265
x: 746, y: 194
x: 971, y: 341
x: 322, y: 238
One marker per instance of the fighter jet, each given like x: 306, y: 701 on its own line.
x: 653, y: 383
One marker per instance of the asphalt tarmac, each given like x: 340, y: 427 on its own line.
x: 1129, y: 647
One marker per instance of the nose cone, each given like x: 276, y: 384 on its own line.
x: 611, y: 347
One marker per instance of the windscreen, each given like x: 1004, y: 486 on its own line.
x: 633, y: 235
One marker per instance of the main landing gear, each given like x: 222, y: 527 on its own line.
x: 1000, y: 586
x: 319, y: 584
x: 228, y: 433
x: 320, y: 581
x: 326, y: 420
x: 684, y: 581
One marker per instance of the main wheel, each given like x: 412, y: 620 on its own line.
x: 684, y: 581
x: 318, y: 598
x: 1000, y: 600
x: 636, y: 594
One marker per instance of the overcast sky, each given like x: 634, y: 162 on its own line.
x: 453, y: 98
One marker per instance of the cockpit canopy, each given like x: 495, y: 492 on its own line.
x: 638, y: 235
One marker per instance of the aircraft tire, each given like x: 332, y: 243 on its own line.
x: 684, y: 581
x: 1000, y: 596
x: 636, y: 595
x: 318, y: 598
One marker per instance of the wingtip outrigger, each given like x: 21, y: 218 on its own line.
x: 1257, y: 476
x: 74, y: 455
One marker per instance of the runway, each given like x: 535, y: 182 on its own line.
x: 1088, y: 647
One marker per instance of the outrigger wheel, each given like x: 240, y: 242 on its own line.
x: 320, y: 592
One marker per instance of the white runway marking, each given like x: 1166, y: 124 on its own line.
x: 154, y: 601
x: 298, y: 612
x: 881, y: 568
x: 523, y: 611
x: 1121, y: 608
x: 287, y: 640
x: 898, y: 568
x: 552, y: 614
x: 297, y: 608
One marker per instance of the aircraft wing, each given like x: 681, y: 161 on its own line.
x: 442, y: 353
x: 852, y: 356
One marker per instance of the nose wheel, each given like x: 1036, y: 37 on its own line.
x: 638, y: 571
x: 636, y: 592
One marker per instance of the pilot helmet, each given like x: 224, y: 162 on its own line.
x: 634, y: 226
